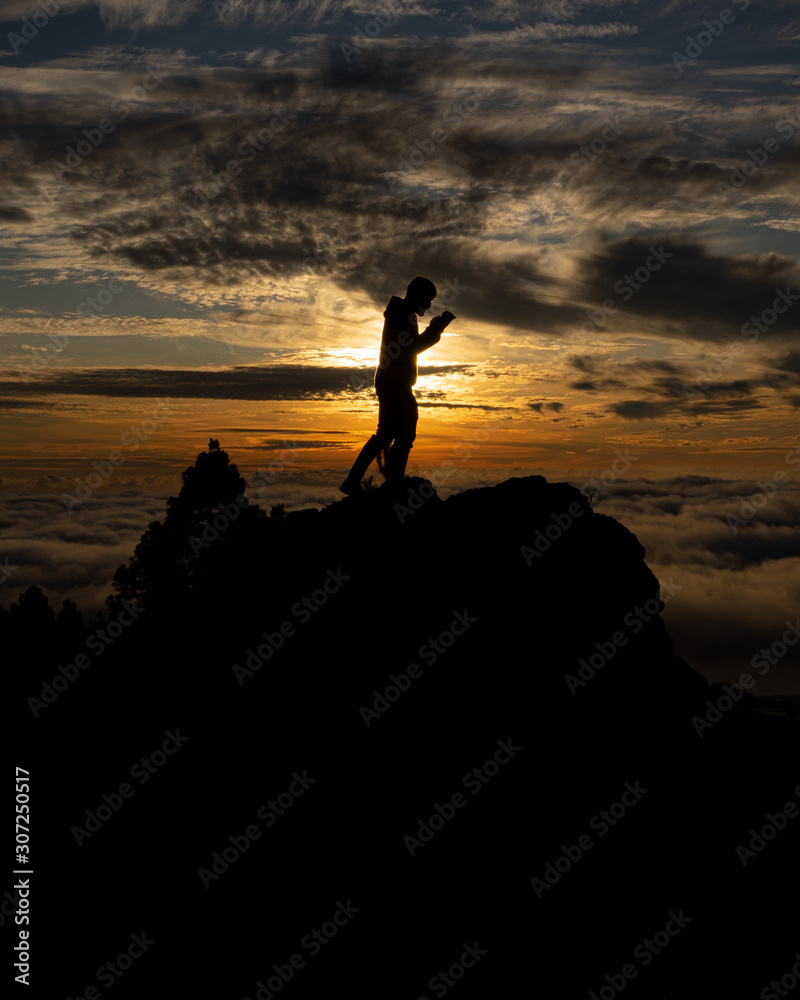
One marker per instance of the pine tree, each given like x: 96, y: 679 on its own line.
x: 169, y: 557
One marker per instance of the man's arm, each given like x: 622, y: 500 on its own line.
x: 433, y: 333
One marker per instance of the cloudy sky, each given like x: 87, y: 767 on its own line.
x: 207, y: 206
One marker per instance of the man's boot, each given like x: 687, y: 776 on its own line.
x: 352, y: 485
x: 396, y: 464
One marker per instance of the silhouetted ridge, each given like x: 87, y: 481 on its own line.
x: 387, y: 645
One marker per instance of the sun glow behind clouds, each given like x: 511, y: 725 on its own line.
x: 255, y: 283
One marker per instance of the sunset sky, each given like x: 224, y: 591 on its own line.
x: 207, y: 206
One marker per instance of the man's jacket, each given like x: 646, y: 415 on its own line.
x: 400, y: 344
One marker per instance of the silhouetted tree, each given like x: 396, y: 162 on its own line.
x: 171, y: 554
x: 31, y: 627
x: 70, y: 632
x: 33, y: 614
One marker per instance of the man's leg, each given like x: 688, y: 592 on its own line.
x: 389, y: 421
x: 370, y: 450
x: 406, y: 431
x: 365, y: 457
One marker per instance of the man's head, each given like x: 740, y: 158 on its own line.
x: 420, y: 293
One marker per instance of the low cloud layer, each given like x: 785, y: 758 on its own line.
x: 731, y: 592
x: 733, y: 549
x: 215, y: 202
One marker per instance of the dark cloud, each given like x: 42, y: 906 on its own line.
x: 464, y: 406
x: 556, y: 407
x: 708, y: 297
x: 662, y: 167
x: 181, y: 194
x: 14, y: 214
x: 667, y: 387
x: 286, y: 431
x: 251, y: 382
x: 585, y: 362
x: 11, y: 403
x: 639, y: 409
x: 300, y: 445
x: 789, y: 363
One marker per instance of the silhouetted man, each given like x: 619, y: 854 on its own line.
x: 395, y: 375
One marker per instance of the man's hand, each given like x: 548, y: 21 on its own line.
x: 443, y: 320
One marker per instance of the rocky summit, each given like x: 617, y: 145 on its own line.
x: 394, y: 747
